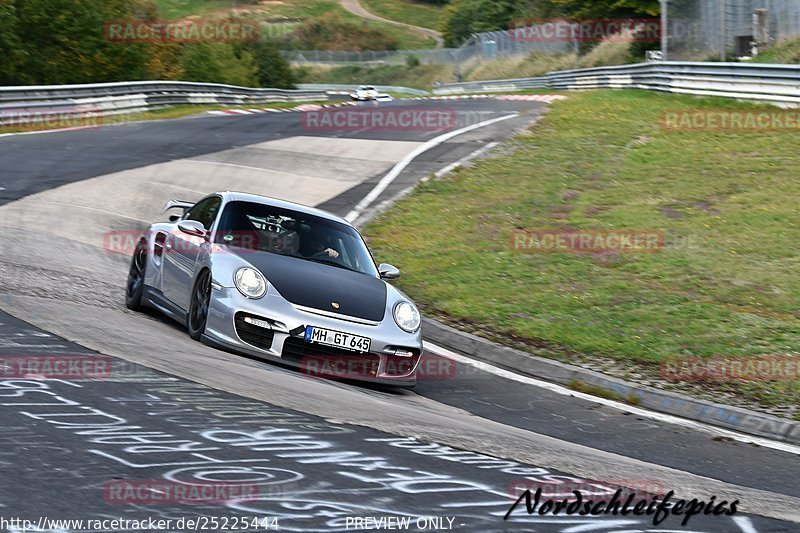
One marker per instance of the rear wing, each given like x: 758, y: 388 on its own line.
x: 178, y: 204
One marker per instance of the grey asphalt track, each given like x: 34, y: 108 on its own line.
x: 61, y: 282
x: 74, y: 448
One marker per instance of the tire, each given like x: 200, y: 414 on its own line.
x: 198, y: 308
x: 134, y: 288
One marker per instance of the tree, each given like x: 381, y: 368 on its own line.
x: 11, y: 53
x: 607, y: 8
x: 64, y: 42
x: 219, y: 63
x: 462, y: 18
x: 273, y: 69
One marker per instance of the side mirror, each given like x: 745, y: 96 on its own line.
x: 387, y: 271
x: 192, y: 227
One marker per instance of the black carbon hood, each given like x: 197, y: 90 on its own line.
x: 318, y: 286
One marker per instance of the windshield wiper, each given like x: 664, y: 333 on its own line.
x: 331, y: 263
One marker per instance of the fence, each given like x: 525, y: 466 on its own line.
x: 34, y: 103
x: 778, y: 84
x: 445, y: 56
x: 711, y: 29
x: 696, y: 30
x: 479, y: 47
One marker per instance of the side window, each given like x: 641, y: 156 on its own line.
x: 205, y: 211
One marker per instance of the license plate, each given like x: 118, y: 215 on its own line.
x: 338, y: 339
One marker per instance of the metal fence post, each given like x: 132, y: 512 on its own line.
x: 723, y: 23
x: 664, y: 29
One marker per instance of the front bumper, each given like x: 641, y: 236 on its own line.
x: 283, y: 339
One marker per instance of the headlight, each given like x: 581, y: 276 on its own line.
x: 250, y: 282
x: 407, y: 316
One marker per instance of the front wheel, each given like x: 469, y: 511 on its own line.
x: 198, y: 308
x: 134, y: 287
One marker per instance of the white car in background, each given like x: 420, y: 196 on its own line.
x: 365, y: 93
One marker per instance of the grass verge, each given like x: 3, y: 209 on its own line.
x: 418, y: 77
x: 533, y: 65
x: 422, y: 76
x: 725, y: 285
x: 291, y: 10
x: 601, y: 392
x: 408, y: 11
x: 784, y: 52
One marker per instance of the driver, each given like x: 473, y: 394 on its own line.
x: 317, y: 247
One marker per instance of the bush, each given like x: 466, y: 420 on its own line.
x: 331, y: 32
x: 11, y: 58
x: 273, y: 70
x: 219, y: 63
x: 412, y: 61
x: 607, y: 53
x: 462, y: 18
x: 62, y: 41
x: 784, y: 52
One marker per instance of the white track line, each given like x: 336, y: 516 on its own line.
x: 399, y: 167
x: 449, y: 168
x: 661, y: 417
x: 745, y: 524
x: 39, y: 132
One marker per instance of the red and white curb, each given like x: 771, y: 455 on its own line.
x: 547, y: 98
x: 544, y: 98
x: 258, y: 110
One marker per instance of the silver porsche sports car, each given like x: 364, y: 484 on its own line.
x: 278, y: 280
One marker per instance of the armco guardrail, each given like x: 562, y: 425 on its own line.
x: 350, y: 88
x: 491, y: 86
x: 779, y: 84
x: 35, y: 103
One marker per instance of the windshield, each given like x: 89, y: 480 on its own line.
x: 286, y: 232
